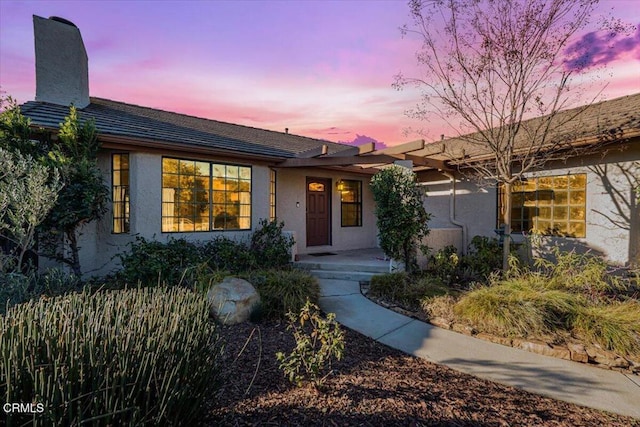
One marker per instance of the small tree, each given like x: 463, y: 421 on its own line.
x: 401, y: 216
x: 489, y: 65
x: 28, y: 189
x: 84, y: 197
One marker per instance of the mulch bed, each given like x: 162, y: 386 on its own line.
x: 373, y: 385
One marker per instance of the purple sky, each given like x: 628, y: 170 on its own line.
x: 322, y: 69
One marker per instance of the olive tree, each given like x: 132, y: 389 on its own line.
x: 28, y: 188
x: 489, y: 65
x: 401, y: 216
x: 84, y: 196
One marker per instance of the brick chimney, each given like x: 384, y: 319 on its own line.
x: 62, y: 70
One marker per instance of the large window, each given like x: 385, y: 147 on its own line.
x: 203, y: 196
x: 551, y: 205
x: 120, y: 192
x: 272, y: 194
x: 351, y: 202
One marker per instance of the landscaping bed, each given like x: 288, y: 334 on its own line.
x: 574, y: 351
x: 372, y: 385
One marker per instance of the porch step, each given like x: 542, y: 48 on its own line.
x: 356, y: 276
x: 377, y: 268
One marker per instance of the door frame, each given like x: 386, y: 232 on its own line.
x: 328, y: 183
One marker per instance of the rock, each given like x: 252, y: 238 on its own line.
x: 440, y: 322
x: 463, y: 329
x: 495, y: 339
x: 545, y: 349
x: 232, y: 300
x: 602, y: 357
x: 578, y: 352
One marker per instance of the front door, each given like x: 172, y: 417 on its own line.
x: 318, y: 211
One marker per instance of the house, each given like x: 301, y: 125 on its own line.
x: 173, y: 175
x: 584, y: 198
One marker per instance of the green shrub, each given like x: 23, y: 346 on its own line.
x: 615, y: 326
x: 150, y: 262
x: 445, y: 263
x: 516, y: 308
x: 16, y: 288
x: 133, y: 357
x: 222, y: 253
x: 483, y: 258
x: 283, y: 291
x: 270, y: 246
x: 406, y: 290
x: 318, y: 341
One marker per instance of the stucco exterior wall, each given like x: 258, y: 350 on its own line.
x: 613, y: 214
x: 99, y: 245
x: 291, y: 208
x: 475, y: 207
x: 612, y: 217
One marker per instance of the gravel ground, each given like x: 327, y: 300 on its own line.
x: 373, y: 385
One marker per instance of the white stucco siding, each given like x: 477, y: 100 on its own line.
x: 475, y: 207
x: 291, y: 208
x: 612, y: 211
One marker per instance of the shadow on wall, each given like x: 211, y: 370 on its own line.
x: 624, y: 211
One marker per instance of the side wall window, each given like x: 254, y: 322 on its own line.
x: 120, y: 192
x: 550, y: 205
x: 351, y: 202
x: 272, y: 195
x: 204, y: 196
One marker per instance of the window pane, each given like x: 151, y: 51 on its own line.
x: 560, y: 197
x: 558, y: 206
x: 195, y: 201
x: 577, y: 197
x: 577, y: 213
x: 351, y: 203
x: 120, y: 192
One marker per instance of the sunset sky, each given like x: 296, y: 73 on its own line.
x: 323, y: 69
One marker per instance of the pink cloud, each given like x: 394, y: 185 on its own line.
x: 601, y: 48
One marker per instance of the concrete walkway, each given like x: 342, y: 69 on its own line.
x: 560, y: 379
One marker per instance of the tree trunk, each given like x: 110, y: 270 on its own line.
x: 506, y: 220
x: 75, y: 253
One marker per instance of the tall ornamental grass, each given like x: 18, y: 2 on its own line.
x: 129, y: 357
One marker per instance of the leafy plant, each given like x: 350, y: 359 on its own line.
x: 401, y: 217
x: 222, y: 253
x: 84, y: 196
x: 318, y: 341
x: 270, y: 246
x: 28, y: 187
x: 283, y: 291
x: 150, y: 262
x: 133, y: 357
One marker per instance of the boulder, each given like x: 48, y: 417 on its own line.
x: 232, y: 300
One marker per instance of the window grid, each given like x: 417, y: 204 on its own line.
x: 351, y: 203
x: 120, y: 192
x: 550, y: 205
x: 272, y: 194
x: 205, y: 196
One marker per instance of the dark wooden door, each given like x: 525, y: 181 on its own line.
x: 318, y: 211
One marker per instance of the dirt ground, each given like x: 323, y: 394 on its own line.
x: 373, y: 385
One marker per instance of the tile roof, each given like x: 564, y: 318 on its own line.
x: 573, y: 125
x: 149, y: 124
